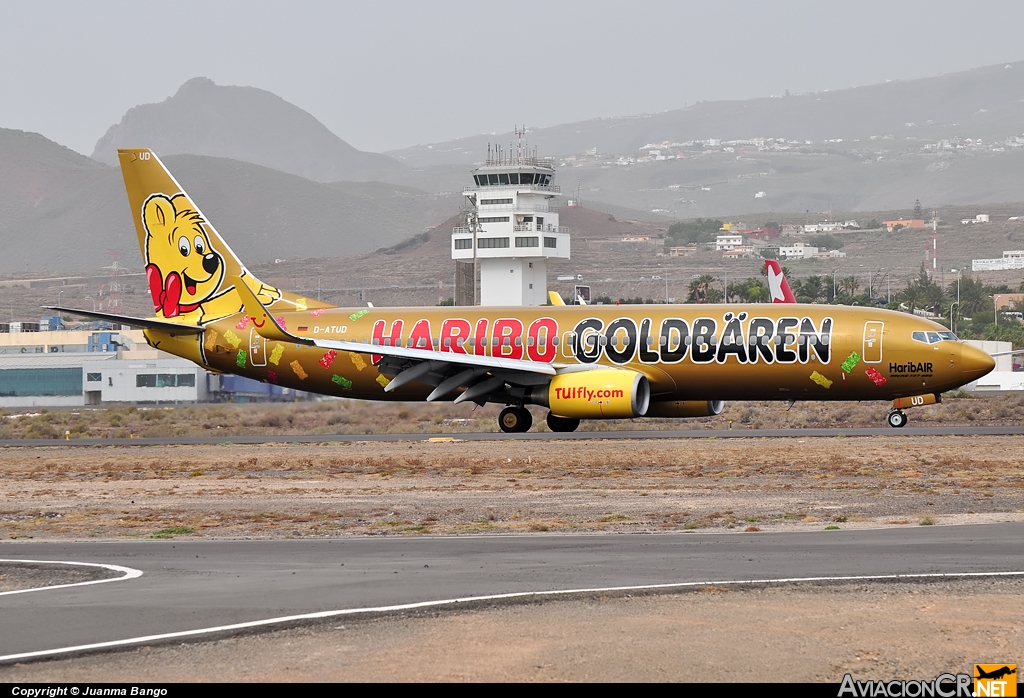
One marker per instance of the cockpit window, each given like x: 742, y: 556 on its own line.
x: 933, y: 337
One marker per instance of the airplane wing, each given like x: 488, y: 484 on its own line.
x: 447, y: 371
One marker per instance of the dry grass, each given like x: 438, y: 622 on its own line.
x: 333, y: 489
x: 355, y: 417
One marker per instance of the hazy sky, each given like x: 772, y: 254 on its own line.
x: 386, y: 75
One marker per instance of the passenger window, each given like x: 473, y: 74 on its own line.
x: 568, y: 339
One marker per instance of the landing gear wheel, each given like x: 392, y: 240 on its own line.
x: 562, y: 423
x: 514, y: 420
x: 897, y: 419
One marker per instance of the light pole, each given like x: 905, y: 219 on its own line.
x: 952, y: 319
x: 834, y: 285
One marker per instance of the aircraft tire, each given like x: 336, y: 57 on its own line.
x: 897, y: 419
x: 515, y: 420
x: 563, y: 424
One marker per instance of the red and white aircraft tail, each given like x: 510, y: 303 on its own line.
x: 778, y: 287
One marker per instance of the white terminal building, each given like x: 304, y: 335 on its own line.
x: 513, y: 219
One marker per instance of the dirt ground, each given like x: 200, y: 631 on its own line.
x: 362, y: 488
x: 803, y: 633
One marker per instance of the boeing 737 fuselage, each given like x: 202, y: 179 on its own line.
x: 581, y: 362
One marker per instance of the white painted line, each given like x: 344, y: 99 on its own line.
x: 127, y: 573
x: 491, y: 597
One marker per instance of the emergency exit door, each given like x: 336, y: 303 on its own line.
x: 871, y: 352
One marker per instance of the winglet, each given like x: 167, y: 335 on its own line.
x: 261, y: 318
x: 554, y: 298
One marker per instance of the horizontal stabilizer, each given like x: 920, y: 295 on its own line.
x: 138, y: 322
x: 262, y: 320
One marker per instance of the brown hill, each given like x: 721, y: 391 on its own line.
x: 62, y: 212
x: 242, y: 123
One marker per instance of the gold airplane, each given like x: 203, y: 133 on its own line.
x: 580, y: 362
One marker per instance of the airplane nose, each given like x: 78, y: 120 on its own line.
x: 974, y: 363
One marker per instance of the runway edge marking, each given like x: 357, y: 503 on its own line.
x: 491, y: 597
x: 128, y: 573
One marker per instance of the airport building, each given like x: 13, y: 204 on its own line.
x: 511, y: 231
x: 96, y: 365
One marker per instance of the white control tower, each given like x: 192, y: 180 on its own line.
x: 512, y: 228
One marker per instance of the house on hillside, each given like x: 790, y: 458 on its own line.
x: 798, y: 250
x: 682, y: 251
x: 1011, y: 259
x: 980, y: 218
x: 728, y: 241
x: 903, y: 223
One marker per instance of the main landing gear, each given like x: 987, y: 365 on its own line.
x: 897, y: 419
x: 562, y: 423
x: 514, y: 419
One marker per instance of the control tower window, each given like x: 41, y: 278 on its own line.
x: 480, y: 181
x: 503, y: 178
x: 513, y: 178
x: 526, y: 178
x: 492, y: 179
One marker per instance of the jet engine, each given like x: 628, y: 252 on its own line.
x: 599, y: 394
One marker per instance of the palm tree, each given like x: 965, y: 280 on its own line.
x: 934, y: 298
x: 756, y: 291
x: 700, y: 287
x: 849, y: 285
x: 911, y: 296
x: 974, y: 297
x: 812, y: 290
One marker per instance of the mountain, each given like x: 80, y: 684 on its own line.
x: 951, y: 139
x: 247, y: 124
x: 986, y: 103
x: 64, y: 212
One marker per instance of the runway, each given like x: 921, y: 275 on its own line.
x: 199, y: 584
x: 533, y: 436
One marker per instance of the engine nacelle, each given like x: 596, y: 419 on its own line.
x: 599, y: 394
x: 686, y: 408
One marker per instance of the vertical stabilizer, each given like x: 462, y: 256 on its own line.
x: 189, y: 267
x: 778, y: 287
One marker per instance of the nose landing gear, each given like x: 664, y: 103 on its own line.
x: 897, y: 419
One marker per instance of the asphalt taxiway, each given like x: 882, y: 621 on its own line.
x: 188, y: 586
